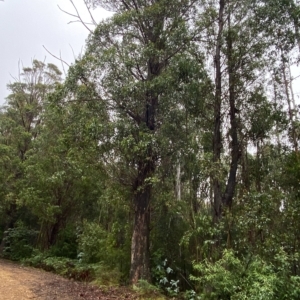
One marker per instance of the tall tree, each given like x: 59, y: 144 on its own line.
x: 20, y: 122
x: 130, y: 58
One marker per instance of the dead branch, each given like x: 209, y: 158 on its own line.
x: 58, y: 58
x: 89, y: 11
x: 77, y: 16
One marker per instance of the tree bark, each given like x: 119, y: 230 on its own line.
x: 224, y: 198
x: 235, y: 149
x: 140, y: 253
x: 178, y: 181
x: 217, y: 143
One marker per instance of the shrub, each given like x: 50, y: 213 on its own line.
x: 19, y: 242
x: 66, y: 245
x: 111, y: 248
x: 250, y: 278
x: 63, y: 266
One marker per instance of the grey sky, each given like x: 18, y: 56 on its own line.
x: 27, y: 25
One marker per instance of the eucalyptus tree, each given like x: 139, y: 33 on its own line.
x: 136, y: 63
x: 236, y: 49
x: 19, y: 125
x: 59, y: 184
x: 280, y: 21
x: 25, y: 103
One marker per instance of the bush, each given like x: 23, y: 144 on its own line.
x: 19, y: 242
x: 63, y: 266
x: 147, y: 291
x: 111, y: 248
x: 250, y: 278
x: 66, y: 245
x: 106, y: 276
x: 92, y: 243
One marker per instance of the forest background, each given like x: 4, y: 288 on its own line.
x: 167, y: 155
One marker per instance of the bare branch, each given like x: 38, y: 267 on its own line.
x: 78, y: 21
x: 89, y: 10
x: 74, y: 56
x: 72, y: 15
x: 77, y: 16
x: 60, y: 59
x: 62, y: 65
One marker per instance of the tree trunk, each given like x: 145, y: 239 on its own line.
x: 217, y: 143
x: 235, y: 148
x: 140, y: 255
x: 287, y: 84
x: 178, y: 181
x: 53, y: 233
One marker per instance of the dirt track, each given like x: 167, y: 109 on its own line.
x: 22, y: 283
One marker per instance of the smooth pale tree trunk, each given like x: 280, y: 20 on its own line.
x: 287, y: 85
x: 178, y: 181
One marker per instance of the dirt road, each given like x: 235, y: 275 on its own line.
x: 22, y: 283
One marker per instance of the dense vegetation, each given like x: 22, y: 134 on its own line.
x: 169, y: 153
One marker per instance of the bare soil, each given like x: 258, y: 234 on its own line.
x: 22, y: 283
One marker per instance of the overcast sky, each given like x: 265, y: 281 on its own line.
x: 27, y: 25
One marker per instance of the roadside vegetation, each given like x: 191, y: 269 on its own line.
x: 167, y: 158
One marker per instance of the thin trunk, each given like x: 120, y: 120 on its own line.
x: 235, y: 148
x: 276, y: 105
x: 245, y: 171
x: 258, y: 164
x: 178, y: 181
x: 291, y: 89
x: 294, y: 8
x: 290, y: 110
x: 53, y: 234
x: 217, y: 143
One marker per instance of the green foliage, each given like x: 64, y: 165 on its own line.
x: 63, y: 266
x: 111, y: 248
x: 92, y: 243
x: 191, y: 295
x: 66, y: 244
x: 19, y: 242
x: 76, y: 156
x: 144, y: 287
x: 145, y: 290
x: 107, y: 276
x: 246, y: 278
x: 161, y: 274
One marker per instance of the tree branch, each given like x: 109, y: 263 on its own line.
x: 60, y: 59
x: 76, y: 16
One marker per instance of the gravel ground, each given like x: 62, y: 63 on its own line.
x: 22, y: 283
